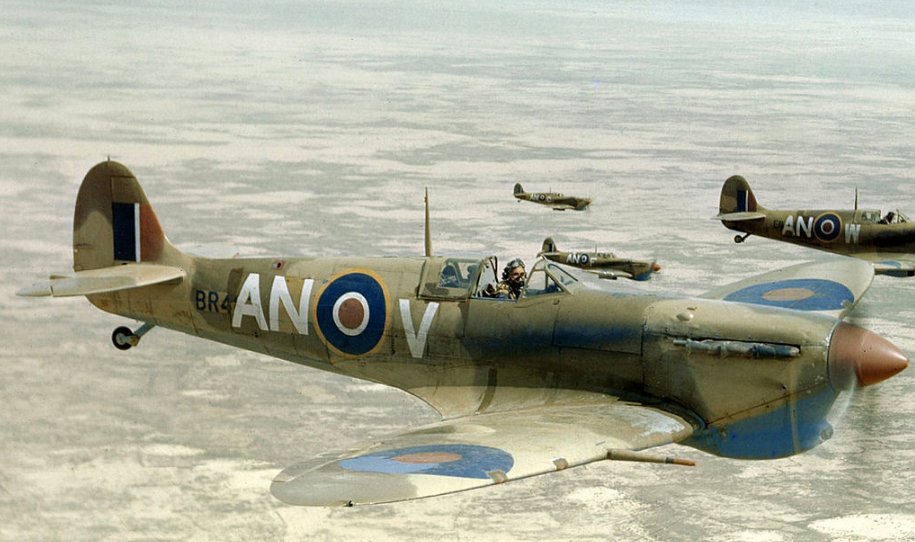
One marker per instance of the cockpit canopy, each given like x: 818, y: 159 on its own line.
x: 894, y: 217
x: 876, y: 217
x: 463, y: 278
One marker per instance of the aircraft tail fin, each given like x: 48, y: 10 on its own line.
x: 737, y: 197
x: 118, y: 243
x: 114, y: 223
x: 548, y: 245
x: 518, y: 189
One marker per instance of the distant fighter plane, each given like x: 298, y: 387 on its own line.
x: 887, y: 241
x: 555, y: 200
x: 603, y: 264
x: 576, y: 370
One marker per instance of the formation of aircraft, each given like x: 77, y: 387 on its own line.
x: 606, y: 265
x: 576, y: 370
x: 557, y: 201
x: 885, y: 240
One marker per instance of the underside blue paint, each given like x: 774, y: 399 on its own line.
x: 771, y: 435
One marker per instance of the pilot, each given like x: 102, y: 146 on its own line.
x: 512, y: 281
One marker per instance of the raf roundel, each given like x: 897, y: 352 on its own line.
x: 827, y: 227
x: 457, y: 460
x: 353, y: 313
x: 797, y: 294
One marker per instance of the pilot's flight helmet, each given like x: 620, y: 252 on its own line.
x: 517, y: 262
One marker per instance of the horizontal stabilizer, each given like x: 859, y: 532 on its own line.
x: 831, y: 287
x: 739, y: 217
x: 103, y: 280
x: 480, y: 450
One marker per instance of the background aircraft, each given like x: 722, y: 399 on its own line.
x: 604, y: 264
x: 557, y: 201
x: 571, y: 373
x: 887, y: 241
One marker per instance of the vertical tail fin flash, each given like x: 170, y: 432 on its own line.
x: 737, y: 197
x: 114, y: 223
x: 518, y: 189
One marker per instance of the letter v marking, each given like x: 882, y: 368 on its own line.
x: 417, y: 340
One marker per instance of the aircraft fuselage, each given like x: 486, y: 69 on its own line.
x: 557, y: 201
x: 843, y: 232
x: 640, y: 270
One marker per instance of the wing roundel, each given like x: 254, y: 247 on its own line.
x: 831, y: 287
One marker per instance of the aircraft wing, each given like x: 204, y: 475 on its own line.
x: 740, y: 216
x: 105, y: 279
x: 831, y: 287
x: 894, y: 265
x: 481, y: 450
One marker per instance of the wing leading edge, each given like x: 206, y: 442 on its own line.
x: 480, y: 450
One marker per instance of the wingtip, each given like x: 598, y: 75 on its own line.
x: 41, y: 289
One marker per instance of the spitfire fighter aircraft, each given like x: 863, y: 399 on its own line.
x: 603, y: 264
x: 887, y: 241
x: 555, y: 200
x: 576, y: 370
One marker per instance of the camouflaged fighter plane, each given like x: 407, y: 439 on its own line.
x: 555, y: 200
x: 603, y: 264
x: 887, y: 241
x: 576, y: 370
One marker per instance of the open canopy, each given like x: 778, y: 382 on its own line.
x: 463, y: 278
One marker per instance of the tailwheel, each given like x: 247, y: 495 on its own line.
x: 125, y: 339
x: 740, y: 238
